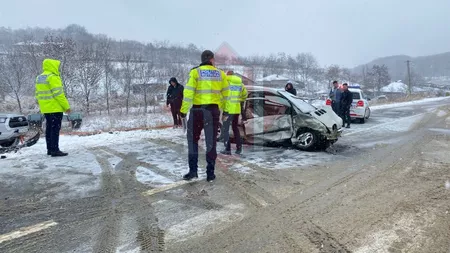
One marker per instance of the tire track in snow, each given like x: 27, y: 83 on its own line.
x: 123, y: 190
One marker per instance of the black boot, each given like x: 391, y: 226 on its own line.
x: 210, y: 177
x: 239, y: 151
x: 58, y: 153
x: 190, y: 176
x: 226, y: 152
x: 348, y: 126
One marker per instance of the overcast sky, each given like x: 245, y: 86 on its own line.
x: 345, y: 32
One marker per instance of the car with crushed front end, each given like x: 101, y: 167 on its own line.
x: 274, y: 116
x: 12, y: 128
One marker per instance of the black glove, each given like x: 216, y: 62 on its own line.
x: 225, y: 114
x: 183, y: 115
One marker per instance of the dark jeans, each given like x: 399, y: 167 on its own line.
x: 336, y: 106
x: 346, y: 115
x: 175, y: 109
x: 232, y: 119
x: 53, y: 127
x: 207, y: 118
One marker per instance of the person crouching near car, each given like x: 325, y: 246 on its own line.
x: 52, y: 103
x: 238, y: 94
x: 175, y: 99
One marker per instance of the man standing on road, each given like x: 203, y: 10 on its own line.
x: 52, y: 103
x: 238, y: 94
x: 346, y: 103
x: 335, y: 95
x: 174, y: 99
x: 207, y: 91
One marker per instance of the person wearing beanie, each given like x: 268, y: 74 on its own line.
x: 206, y: 93
x: 174, y: 100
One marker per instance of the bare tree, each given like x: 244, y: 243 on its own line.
x: 144, y: 77
x: 90, y: 71
x: 126, y: 74
x: 16, y: 74
x: 379, y: 76
x: 308, y: 65
x: 332, y: 73
x: 106, y: 55
x: 63, y: 49
x: 33, y: 50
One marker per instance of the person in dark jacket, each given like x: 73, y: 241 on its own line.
x: 335, y: 96
x: 175, y: 99
x: 290, y: 88
x: 346, y: 103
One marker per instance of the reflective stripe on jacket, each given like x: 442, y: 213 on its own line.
x: 49, y: 89
x: 238, y: 94
x: 206, y: 85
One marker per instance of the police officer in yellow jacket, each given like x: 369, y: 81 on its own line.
x: 238, y: 94
x: 52, y: 103
x: 207, y: 93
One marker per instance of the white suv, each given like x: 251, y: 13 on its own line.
x: 12, y: 128
x: 360, y: 107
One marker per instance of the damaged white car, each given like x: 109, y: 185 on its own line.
x: 273, y: 116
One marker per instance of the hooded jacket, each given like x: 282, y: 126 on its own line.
x: 291, y: 90
x: 49, y: 89
x: 238, y: 94
x: 175, y: 93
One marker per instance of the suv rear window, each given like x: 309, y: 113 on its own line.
x: 356, y: 95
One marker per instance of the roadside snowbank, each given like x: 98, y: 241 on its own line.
x: 394, y: 105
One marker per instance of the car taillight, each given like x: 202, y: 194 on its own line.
x: 328, y: 101
x: 360, y: 103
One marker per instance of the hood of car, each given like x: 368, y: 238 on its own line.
x: 323, y: 113
x: 327, y: 116
x: 10, y: 115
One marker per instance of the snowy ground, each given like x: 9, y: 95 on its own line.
x: 152, y: 162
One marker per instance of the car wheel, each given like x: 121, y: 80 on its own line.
x: 306, y: 140
x: 367, y: 113
x: 10, y: 143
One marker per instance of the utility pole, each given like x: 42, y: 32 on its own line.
x: 409, y: 77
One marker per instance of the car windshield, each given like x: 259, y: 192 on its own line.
x: 298, y: 102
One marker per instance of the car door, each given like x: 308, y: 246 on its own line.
x: 268, y: 119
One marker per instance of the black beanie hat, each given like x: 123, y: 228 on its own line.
x: 207, y: 55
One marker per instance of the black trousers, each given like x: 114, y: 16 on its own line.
x: 176, y: 114
x: 345, y: 114
x: 207, y: 118
x: 53, y: 127
x: 233, y: 120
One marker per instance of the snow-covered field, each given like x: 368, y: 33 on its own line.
x: 112, y: 123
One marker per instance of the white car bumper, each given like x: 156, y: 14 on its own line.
x: 357, y: 112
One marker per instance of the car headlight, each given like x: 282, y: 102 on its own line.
x: 3, y: 120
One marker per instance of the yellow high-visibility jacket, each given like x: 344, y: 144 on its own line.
x: 49, y: 90
x: 238, y: 94
x: 207, y: 85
